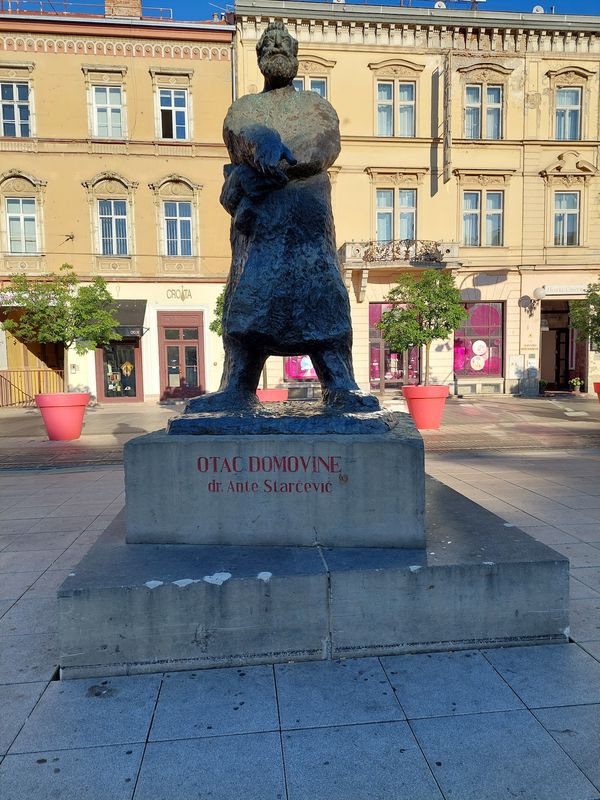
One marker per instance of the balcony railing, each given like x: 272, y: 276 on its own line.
x: 18, y: 387
x: 416, y: 251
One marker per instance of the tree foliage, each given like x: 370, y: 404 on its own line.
x: 58, y: 308
x: 423, y: 309
x: 585, y: 315
x: 216, y: 326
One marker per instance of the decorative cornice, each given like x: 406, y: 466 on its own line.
x: 17, y: 173
x: 396, y: 177
x: 118, y: 69
x: 112, y: 177
x: 398, y: 63
x: 485, y: 66
x: 483, y: 176
x: 110, y: 47
x: 172, y: 72
x: 17, y: 65
x: 318, y: 61
x: 158, y: 185
x: 569, y: 168
x: 563, y: 72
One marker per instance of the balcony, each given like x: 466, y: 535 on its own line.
x: 399, y: 254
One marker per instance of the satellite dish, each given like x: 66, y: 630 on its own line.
x: 440, y: 4
x: 538, y: 10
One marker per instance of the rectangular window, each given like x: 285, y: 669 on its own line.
x: 390, y: 226
x: 406, y: 109
x: 396, y: 109
x: 108, y: 112
x: 483, y: 111
x: 479, y: 342
x: 566, y: 219
x: 173, y: 113
x: 318, y: 85
x: 14, y: 109
x: 21, y: 225
x: 492, y: 233
x: 385, y: 108
x: 112, y: 216
x: 178, y: 228
x: 471, y: 219
x: 568, y: 113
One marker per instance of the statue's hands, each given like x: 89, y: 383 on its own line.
x: 267, y: 152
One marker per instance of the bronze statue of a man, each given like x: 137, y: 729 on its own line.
x: 285, y: 294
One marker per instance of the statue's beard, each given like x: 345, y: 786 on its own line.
x: 279, y: 69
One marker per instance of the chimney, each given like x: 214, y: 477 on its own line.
x: 123, y: 8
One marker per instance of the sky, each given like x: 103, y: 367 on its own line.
x: 204, y: 9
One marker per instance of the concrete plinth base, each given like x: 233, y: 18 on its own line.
x: 134, y: 608
x: 335, y: 490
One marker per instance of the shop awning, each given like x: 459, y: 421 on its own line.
x: 130, y: 316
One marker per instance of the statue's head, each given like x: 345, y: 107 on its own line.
x: 277, y: 56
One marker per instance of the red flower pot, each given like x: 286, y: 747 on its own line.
x: 63, y: 414
x: 272, y: 395
x: 597, y: 390
x: 426, y: 405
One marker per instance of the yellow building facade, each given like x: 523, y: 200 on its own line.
x: 111, y: 160
x: 470, y: 142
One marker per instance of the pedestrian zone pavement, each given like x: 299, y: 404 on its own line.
x: 471, y: 725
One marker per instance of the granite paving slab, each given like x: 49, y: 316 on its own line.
x: 12, y: 585
x: 328, y: 693
x: 500, y: 755
x: 579, y: 590
x: 16, y: 702
x: 585, y: 619
x: 215, y: 702
x: 248, y: 767
x: 580, y: 555
x: 590, y: 576
x: 549, y: 675
x: 42, y: 541
x: 439, y: 684
x: 29, y: 561
x: 357, y: 762
x: 35, y: 615
x: 96, y: 773
x: 25, y: 658
x: 577, y: 731
x: 87, y: 713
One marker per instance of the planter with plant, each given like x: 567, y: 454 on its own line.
x: 585, y: 317
x: 423, y: 309
x: 57, y: 308
x: 576, y: 384
x: 264, y: 394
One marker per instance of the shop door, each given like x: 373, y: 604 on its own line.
x: 119, y: 371
x: 562, y: 358
x: 181, y: 355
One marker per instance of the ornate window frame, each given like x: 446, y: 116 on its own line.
x: 105, y: 75
x: 170, y: 78
x: 482, y: 180
x: 111, y: 186
x: 568, y: 172
x: 177, y: 188
x: 310, y: 66
x: 486, y: 74
x: 405, y: 178
x: 570, y: 77
x: 21, y: 72
x: 16, y: 183
x: 396, y: 70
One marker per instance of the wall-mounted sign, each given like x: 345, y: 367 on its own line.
x: 560, y: 290
x: 179, y: 294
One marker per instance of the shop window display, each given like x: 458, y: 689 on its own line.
x: 479, y: 342
x: 387, y: 369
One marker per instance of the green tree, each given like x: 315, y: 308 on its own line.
x: 585, y: 315
x: 423, y: 309
x: 57, y: 308
x: 216, y: 326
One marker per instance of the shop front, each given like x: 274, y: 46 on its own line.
x: 562, y: 355
x: 479, y: 350
x: 119, y: 363
x: 388, y: 370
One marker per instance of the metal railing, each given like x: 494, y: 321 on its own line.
x: 18, y: 387
x: 407, y: 250
x: 70, y: 8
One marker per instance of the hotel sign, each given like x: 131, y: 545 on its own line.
x: 561, y: 290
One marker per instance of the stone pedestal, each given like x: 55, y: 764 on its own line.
x: 289, y: 489
x: 135, y: 608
